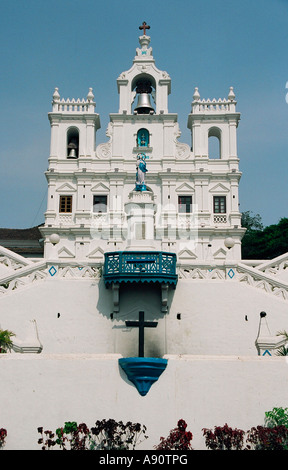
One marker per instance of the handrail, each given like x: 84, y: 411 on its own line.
x: 23, y: 271
x: 263, y: 276
x: 10, y: 255
x: 46, y: 269
x: 273, y: 262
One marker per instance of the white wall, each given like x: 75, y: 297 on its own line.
x: 47, y: 390
x: 213, y: 317
x: 214, y: 374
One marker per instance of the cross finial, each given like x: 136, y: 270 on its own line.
x: 144, y: 27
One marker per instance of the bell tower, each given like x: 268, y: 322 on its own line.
x: 144, y: 79
x: 74, y: 124
x: 73, y: 127
x: 217, y: 174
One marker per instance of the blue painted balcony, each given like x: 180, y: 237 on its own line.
x: 140, y: 266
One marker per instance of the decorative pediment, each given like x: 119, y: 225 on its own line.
x: 185, y: 188
x: 186, y: 255
x: 97, y: 254
x: 100, y: 188
x: 219, y: 188
x: 66, y: 187
x: 219, y: 254
x: 65, y: 253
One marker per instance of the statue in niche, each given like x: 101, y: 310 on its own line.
x: 143, y: 138
x: 140, y: 172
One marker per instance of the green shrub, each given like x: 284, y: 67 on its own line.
x: 6, y: 342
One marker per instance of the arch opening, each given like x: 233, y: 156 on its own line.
x: 73, y: 142
x: 214, y: 143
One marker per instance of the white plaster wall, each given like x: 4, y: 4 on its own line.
x: 217, y: 317
x: 80, y: 328
x: 47, y: 390
x: 213, y: 317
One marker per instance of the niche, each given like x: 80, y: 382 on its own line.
x: 142, y: 138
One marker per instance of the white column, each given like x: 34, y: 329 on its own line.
x: 90, y: 137
x: 232, y: 140
x: 54, y: 141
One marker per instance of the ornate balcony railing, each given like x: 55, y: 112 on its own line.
x: 220, y: 219
x: 140, y: 266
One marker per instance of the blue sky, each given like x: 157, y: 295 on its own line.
x: 77, y: 44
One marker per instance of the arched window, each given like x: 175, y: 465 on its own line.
x: 142, y: 138
x: 73, y: 142
x: 214, y: 143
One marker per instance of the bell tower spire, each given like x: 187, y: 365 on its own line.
x: 144, y: 83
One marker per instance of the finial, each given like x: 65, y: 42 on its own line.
x: 144, y: 27
x: 55, y: 100
x: 231, y: 95
x: 90, y: 96
x: 196, y: 95
x: 56, y: 95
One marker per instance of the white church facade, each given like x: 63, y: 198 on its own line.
x: 142, y: 233
x: 190, y: 202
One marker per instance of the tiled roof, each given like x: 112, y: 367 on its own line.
x: 20, y: 234
x: 22, y: 241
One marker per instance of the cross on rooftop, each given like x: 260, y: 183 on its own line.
x: 144, y: 27
x: 141, y: 324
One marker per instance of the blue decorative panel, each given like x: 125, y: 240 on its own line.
x: 267, y: 352
x: 52, y: 271
x: 231, y: 273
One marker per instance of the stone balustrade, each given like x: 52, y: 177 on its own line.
x: 73, y: 106
x: 213, y: 106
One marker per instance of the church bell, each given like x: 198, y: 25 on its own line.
x: 144, y: 105
x: 143, y: 90
x: 72, y: 153
x: 72, y: 149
